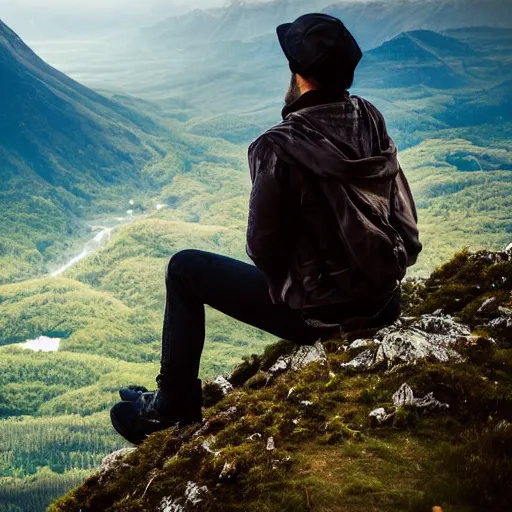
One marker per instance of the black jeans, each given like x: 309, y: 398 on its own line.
x: 195, y: 279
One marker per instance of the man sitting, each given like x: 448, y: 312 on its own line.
x: 332, y: 230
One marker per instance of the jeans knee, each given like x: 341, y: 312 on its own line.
x: 180, y: 263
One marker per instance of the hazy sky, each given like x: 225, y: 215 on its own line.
x: 48, y: 19
x: 107, y: 5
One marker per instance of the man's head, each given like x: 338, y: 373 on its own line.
x: 321, y: 52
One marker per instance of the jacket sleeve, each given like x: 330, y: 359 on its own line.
x: 405, y: 218
x: 268, y: 230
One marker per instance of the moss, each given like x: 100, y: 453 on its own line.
x: 337, y: 431
x: 274, y: 352
x: 405, y: 417
x: 476, y: 470
x: 212, y: 394
x: 247, y: 369
x: 465, y: 281
x: 258, y: 381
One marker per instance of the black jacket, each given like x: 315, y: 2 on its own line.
x: 332, y: 219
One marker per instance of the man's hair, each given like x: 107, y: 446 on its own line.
x: 334, y: 77
x: 344, y: 81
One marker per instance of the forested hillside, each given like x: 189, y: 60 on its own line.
x: 63, y: 148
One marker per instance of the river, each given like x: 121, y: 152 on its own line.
x: 98, y: 241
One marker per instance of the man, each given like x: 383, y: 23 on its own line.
x: 332, y: 229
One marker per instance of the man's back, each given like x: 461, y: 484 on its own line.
x: 344, y: 222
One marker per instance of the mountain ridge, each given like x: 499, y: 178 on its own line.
x: 62, y: 146
x: 372, y: 22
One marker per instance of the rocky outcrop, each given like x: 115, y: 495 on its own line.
x: 430, y: 397
x: 432, y: 337
x: 404, y: 397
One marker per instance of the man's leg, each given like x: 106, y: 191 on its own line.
x: 195, y: 279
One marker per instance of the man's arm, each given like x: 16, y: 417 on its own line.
x: 405, y: 218
x: 268, y: 232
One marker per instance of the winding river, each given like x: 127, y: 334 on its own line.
x: 98, y: 241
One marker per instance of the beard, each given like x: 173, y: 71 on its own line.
x: 293, y: 93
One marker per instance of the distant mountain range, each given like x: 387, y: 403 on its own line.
x: 61, y: 145
x: 242, y: 85
x: 372, y: 22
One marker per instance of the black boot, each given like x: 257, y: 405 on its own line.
x: 132, y: 393
x: 159, y: 410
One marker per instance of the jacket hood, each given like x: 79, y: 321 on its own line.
x: 345, y: 140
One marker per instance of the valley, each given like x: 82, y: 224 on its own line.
x: 142, y: 153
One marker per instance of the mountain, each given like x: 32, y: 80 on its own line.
x: 375, y: 421
x: 425, y: 67
x: 414, y: 58
x: 197, y: 25
x: 372, y: 22
x: 62, y: 146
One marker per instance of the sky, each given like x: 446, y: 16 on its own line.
x: 48, y: 19
x: 105, y: 5
x: 44, y: 20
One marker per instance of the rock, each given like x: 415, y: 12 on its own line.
x: 228, y: 471
x: 215, y: 391
x: 193, y: 496
x: 486, y: 303
x: 359, y: 344
x: 280, y: 366
x: 502, y: 322
x: 409, y: 346
x: 299, y: 359
x: 207, y: 447
x: 502, y: 426
x: 306, y: 355
x: 429, y: 337
x: 170, y: 505
x: 379, y: 417
x: 113, y: 461
x: 405, y: 396
x: 444, y: 325
x: 363, y: 360
x: 402, y: 398
x: 223, y: 384
x: 429, y: 402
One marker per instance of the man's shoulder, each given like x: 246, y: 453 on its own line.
x: 367, y: 104
x: 265, y: 141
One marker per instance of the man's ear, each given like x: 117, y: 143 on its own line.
x: 306, y: 84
